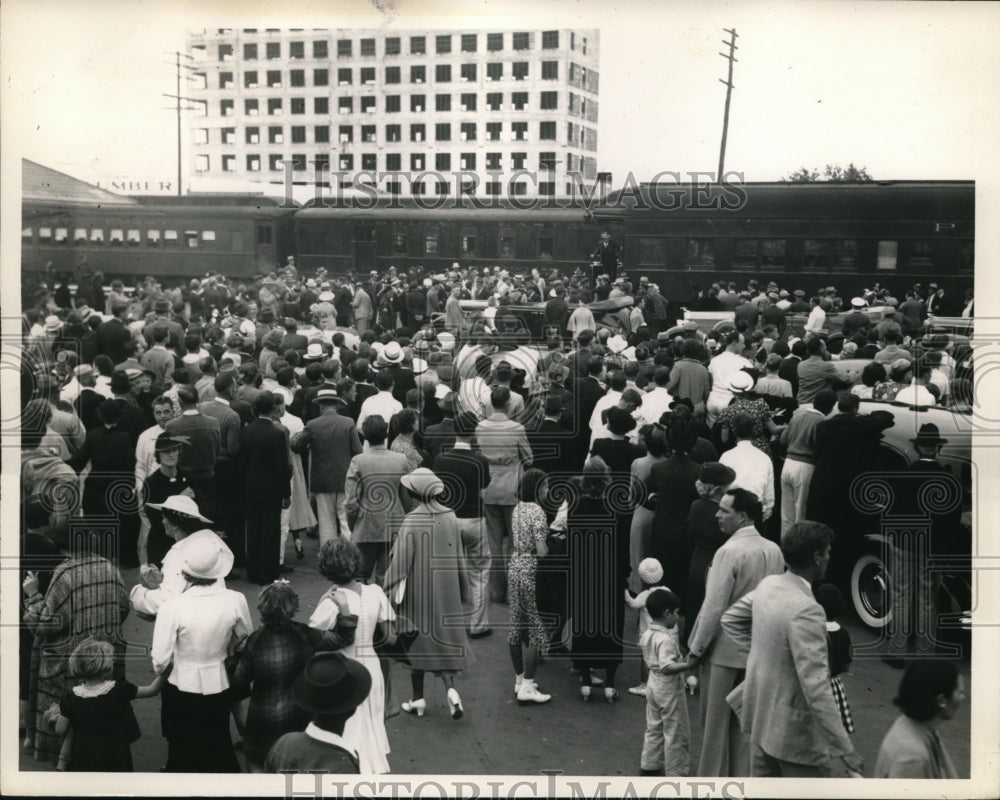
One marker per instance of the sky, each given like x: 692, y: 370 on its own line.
x: 905, y: 89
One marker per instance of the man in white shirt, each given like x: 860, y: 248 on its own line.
x: 382, y: 403
x: 145, y: 458
x: 817, y: 318
x: 753, y: 468
x: 474, y: 392
x: 616, y: 385
x: 917, y: 393
x: 656, y: 401
x: 582, y: 319
x: 721, y: 368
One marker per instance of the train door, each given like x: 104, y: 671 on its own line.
x: 265, y: 255
x: 364, y: 247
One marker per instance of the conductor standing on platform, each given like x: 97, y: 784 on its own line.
x: 609, y: 254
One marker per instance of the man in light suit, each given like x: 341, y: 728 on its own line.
x: 737, y: 567
x: 785, y: 703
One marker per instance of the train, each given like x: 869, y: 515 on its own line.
x: 680, y: 236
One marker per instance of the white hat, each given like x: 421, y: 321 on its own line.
x: 314, y: 352
x: 617, y: 344
x: 392, y: 353
x: 428, y: 283
x: 858, y: 302
x: 441, y: 391
x: 52, y: 323
x: 419, y: 366
x: 205, y: 558
x: 741, y: 381
x: 180, y: 504
x: 326, y: 297
x: 650, y: 571
x: 446, y: 340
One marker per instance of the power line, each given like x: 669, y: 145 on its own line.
x: 180, y: 98
x: 729, y: 90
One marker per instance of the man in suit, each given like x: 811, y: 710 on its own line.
x: 553, y: 445
x: 267, y: 486
x: 293, y: 340
x: 374, y: 500
x: 609, y: 253
x: 112, y: 334
x: 440, y: 436
x: 197, y: 461
x: 786, y: 703
x: 737, y: 567
x: 332, y: 441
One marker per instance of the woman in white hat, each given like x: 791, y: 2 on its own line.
x: 194, y: 634
x: 741, y: 384
x: 428, y: 582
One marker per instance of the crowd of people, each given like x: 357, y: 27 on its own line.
x: 459, y: 473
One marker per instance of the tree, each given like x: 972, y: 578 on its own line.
x: 834, y: 173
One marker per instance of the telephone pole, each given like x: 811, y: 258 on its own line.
x: 729, y: 90
x: 180, y: 98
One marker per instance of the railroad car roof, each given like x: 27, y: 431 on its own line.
x: 45, y: 185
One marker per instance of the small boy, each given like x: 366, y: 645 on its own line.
x: 650, y: 572
x: 668, y: 730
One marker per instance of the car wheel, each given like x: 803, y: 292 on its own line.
x: 870, y: 591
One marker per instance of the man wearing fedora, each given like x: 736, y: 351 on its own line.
x: 161, y: 308
x: 607, y: 257
x: 331, y: 687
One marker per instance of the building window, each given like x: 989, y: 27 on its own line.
x: 468, y: 72
x: 547, y: 188
x: 250, y: 107
x: 418, y: 74
x: 367, y: 47
x: 469, y: 42
x: 250, y: 79
x: 493, y: 130
x: 393, y: 46
x: 547, y: 131
x: 519, y: 100
x: 345, y: 105
x: 321, y: 134
x: 468, y: 131
x: 521, y: 41
x: 549, y: 101
x: 442, y: 132
x: 393, y: 133
x: 322, y: 162
x: 321, y: 49
x: 418, y: 45
x: 345, y: 162
x: 321, y: 77
x: 298, y: 105
x: 296, y: 50
x: 321, y: 105
x: 418, y: 162
x: 297, y: 77
x: 550, y: 70
x: 249, y: 52
x: 345, y: 134
x: 228, y: 163
x: 200, y: 80
x: 273, y: 50
x: 229, y: 135
x: 275, y: 134
x: 394, y: 187
x: 201, y: 163
x: 520, y: 131
x: 520, y: 70
x: 888, y: 250
x: 442, y: 102
x: 368, y: 133
x: 583, y: 47
x: 468, y: 102
x: 274, y: 106
x: 393, y: 162
x: 547, y: 160
x: 201, y: 135
x: 225, y: 80
x: 493, y: 160
x: 442, y: 44
x: 494, y: 71
x: 494, y: 42
x: 550, y: 40
x: 518, y: 160
x: 367, y: 75
x: 225, y: 52
x: 392, y: 103
x: 253, y: 135
x: 298, y: 134
x: 493, y: 188
x: 418, y: 132
x: 442, y: 73
x: 369, y: 161
x: 442, y: 161
x: 344, y: 49
x: 274, y: 78
x: 344, y: 76
x: 392, y: 75
x: 299, y: 162
x: 494, y: 101
x: 468, y: 161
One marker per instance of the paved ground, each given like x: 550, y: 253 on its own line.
x: 498, y: 737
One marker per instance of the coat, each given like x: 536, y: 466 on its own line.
x: 788, y: 708
x: 373, y: 494
x: 429, y: 560
x: 331, y: 441
x: 505, y: 443
x: 266, y: 470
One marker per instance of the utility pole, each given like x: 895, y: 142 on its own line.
x: 179, y: 98
x: 729, y: 90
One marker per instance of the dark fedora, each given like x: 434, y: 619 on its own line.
x: 716, y: 474
x: 620, y: 421
x: 928, y: 436
x: 331, y: 683
x: 165, y: 442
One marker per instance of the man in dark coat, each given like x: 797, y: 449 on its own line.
x: 789, y: 369
x: 553, y: 445
x: 267, y: 485
x: 609, y: 253
x: 588, y: 392
x: 774, y: 315
x: 293, y: 340
x: 112, y: 334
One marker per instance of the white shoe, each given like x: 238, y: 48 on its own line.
x: 455, y: 704
x: 529, y: 694
x: 639, y: 691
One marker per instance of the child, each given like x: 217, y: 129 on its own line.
x: 100, y: 710
x: 838, y: 645
x: 650, y: 573
x: 668, y: 731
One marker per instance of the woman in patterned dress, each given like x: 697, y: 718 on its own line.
x: 528, y: 633
x: 744, y: 401
x: 405, y: 424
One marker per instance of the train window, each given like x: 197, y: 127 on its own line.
x: 170, y: 237
x: 399, y: 243
x: 815, y: 255
x: 45, y: 234
x: 745, y: 254
x: 191, y: 237
x: 208, y: 236
x: 62, y: 235
x: 364, y: 234
x: 921, y: 253
x: 652, y: 251
x: 888, y: 251
x: 700, y: 253
x: 772, y: 253
x: 507, y: 245
x: 79, y: 235
x: 152, y: 238
x: 133, y: 236
x: 431, y: 244
x: 545, y: 246
x: 847, y: 254
x: 116, y: 236
x: 264, y: 234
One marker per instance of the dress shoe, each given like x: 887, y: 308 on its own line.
x: 417, y: 707
x: 455, y: 704
x: 528, y: 693
x: 481, y: 634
